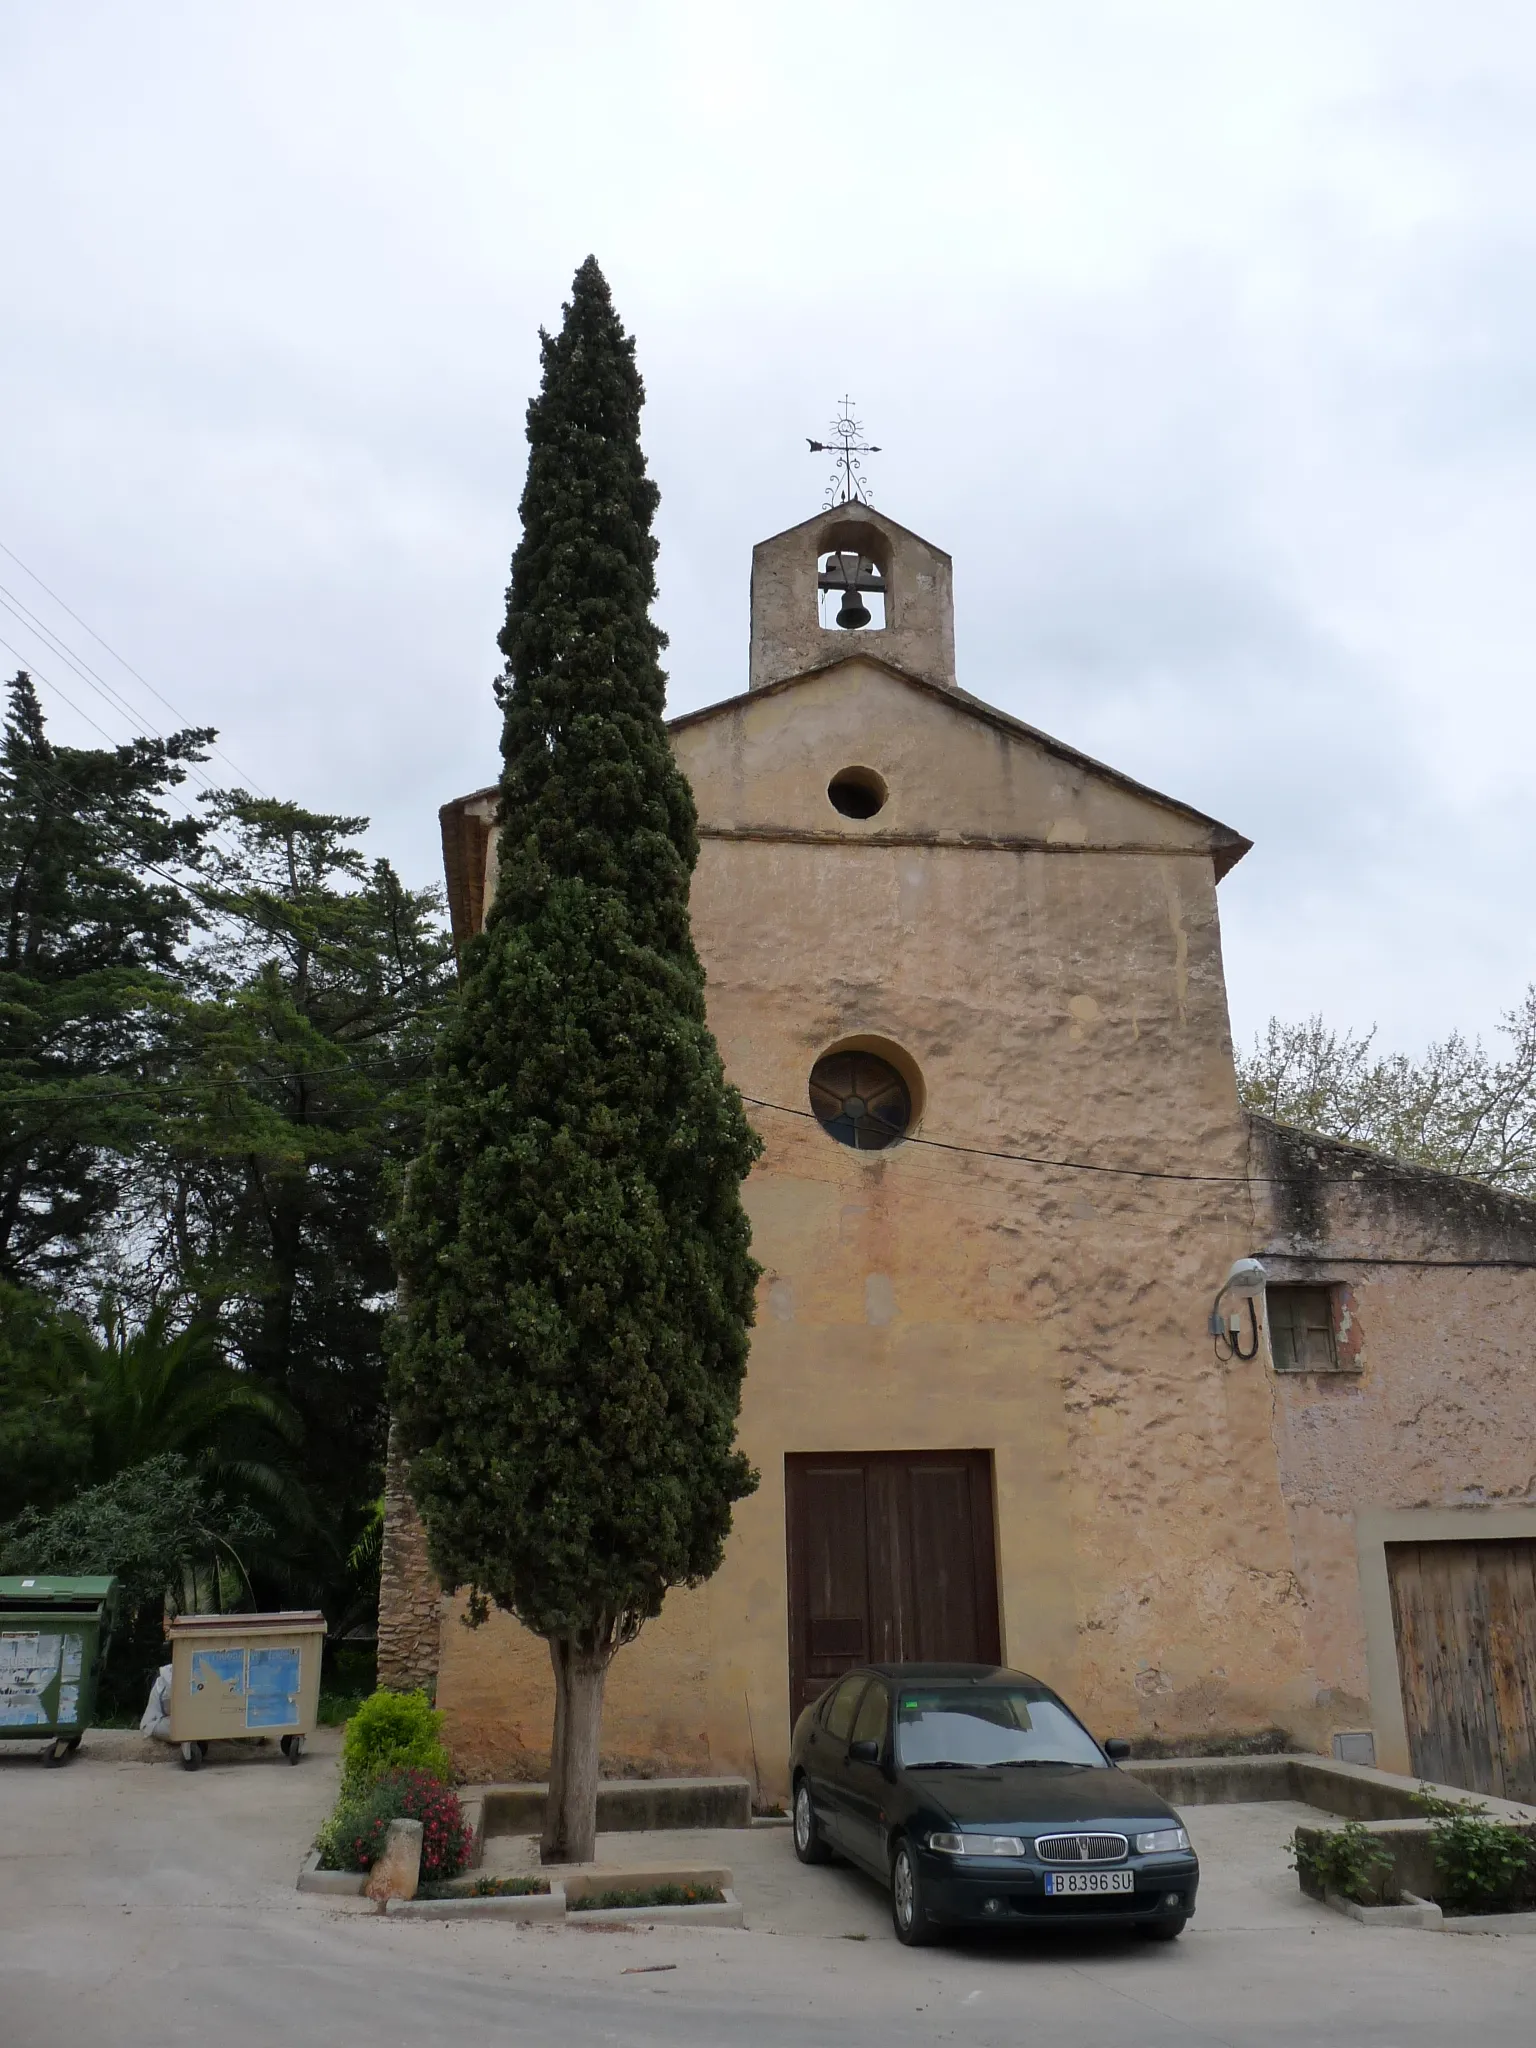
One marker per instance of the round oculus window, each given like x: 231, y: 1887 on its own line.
x: 860, y: 1100
x: 857, y: 792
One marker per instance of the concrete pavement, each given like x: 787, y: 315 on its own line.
x: 142, y: 1906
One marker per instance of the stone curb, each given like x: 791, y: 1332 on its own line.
x: 624, y: 1805
x: 729, y: 1913
x: 1357, y: 1791
x: 1490, y: 1923
x: 1413, y: 1912
x: 551, y: 1905
x: 530, y: 1906
x: 1432, y: 1919
x: 338, y: 1884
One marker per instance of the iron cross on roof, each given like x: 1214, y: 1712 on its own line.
x: 846, y: 485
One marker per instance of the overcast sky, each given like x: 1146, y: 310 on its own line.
x: 1202, y: 333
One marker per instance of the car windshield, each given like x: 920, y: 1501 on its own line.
x: 989, y: 1726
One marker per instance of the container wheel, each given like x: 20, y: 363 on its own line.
x: 192, y: 1756
x: 56, y: 1752
x: 294, y: 1744
x: 74, y: 1744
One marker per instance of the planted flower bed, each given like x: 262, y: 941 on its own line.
x: 487, y: 1888
x: 1457, y: 1858
x: 394, y: 1767
x: 634, y: 1896
x: 353, y: 1838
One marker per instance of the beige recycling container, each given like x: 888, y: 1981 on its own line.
x: 243, y: 1675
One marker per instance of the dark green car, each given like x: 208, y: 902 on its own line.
x: 981, y: 1800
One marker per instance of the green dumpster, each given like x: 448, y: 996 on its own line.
x: 53, y: 1634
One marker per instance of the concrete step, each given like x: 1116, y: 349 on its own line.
x: 623, y: 1804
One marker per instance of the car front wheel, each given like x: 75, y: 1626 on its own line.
x: 908, y: 1909
x: 809, y: 1846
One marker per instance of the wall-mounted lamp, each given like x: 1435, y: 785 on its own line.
x: 1245, y: 1282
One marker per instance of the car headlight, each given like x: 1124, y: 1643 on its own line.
x: 1160, y: 1840
x: 976, y: 1845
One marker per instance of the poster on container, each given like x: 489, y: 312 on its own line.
x: 29, y: 1665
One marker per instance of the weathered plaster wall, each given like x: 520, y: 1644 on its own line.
x: 1442, y: 1411
x: 1059, y: 1000
x: 762, y: 764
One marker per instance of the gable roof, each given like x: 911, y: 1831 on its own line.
x: 852, y: 513
x: 467, y: 821
x: 1227, y: 846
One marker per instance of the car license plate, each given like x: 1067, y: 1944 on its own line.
x: 1074, y: 1883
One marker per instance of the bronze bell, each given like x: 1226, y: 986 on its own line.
x: 854, y: 612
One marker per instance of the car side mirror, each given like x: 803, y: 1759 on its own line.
x: 863, y: 1752
x: 1117, y: 1750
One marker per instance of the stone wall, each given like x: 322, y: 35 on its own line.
x: 410, y: 1599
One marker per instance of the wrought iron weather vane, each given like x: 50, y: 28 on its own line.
x: 846, y: 485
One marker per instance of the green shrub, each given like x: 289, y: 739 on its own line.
x: 354, y: 1835
x: 1348, y: 1861
x: 392, y: 1731
x: 1483, y: 1865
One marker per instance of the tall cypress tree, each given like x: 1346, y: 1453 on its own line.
x: 578, y: 1285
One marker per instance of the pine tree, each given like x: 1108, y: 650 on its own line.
x: 92, y: 920
x: 305, y: 1058
x: 574, y: 1254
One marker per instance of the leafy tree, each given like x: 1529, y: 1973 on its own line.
x: 89, y: 939
x: 574, y: 1254
x: 305, y: 1048
x: 171, y: 1542
x: 45, y: 1439
x: 215, y: 1047
x: 1459, y: 1108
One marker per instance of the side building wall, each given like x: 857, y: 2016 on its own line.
x: 1433, y: 1436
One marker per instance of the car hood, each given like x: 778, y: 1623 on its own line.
x: 1039, y: 1797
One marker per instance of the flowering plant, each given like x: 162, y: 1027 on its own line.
x: 354, y: 1835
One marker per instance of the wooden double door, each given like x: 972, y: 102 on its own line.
x: 891, y: 1560
x: 1465, y: 1619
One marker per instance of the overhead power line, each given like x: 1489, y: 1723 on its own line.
x: 30, y: 668
x: 1388, y: 1174
x: 10, y: 602
x: 345, y: 1064
x: 128, y: 665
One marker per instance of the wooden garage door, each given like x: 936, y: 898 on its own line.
x: 890, y: 1560
x: 1465, y: 1617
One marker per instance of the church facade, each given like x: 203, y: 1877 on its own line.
x: 970, y: 983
